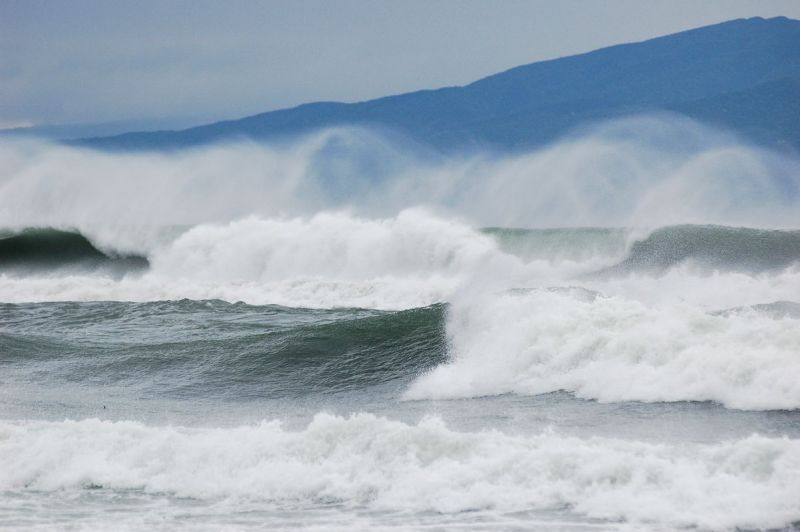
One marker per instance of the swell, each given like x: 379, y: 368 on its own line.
x: 711, y: 246
x: 578, y: 244
x: 47, y: 248
x: 339, y: 247
x: 529, y: 342
x: 211, y: 348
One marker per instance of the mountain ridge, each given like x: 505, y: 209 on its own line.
x: 532, y: 104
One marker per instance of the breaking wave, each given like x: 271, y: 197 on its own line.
x: 372, y: 464
x: 524, y: 341
x: 345, y: 271
x: 45, y: 249
x: 341, y: 246
x: 212, y: 348
x: 657, y: 332
x: 616, y: 349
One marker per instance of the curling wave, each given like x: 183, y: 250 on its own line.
x: 46, y: 249
x: 654, y: 338
x: 212, y: 348
x: 339, y: 246
x: 328, y: 260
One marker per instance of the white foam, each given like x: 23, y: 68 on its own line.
x: 651, y: 339
x: 332, y: 245
x: 366, y: 461
x: 705, y: 290
x: 645, y: 171
x: 383, y: 293
x: 327, y: 260
x: 615, y: 349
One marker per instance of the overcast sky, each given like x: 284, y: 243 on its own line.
x: 191, y: 61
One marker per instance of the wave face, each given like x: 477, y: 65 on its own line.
x: 274, y: 336
x: 381, y: 468
x: 526, y: 341
x: 527, y: 312
x: 212, y: 348
x: 713, y: 247
x: 328, y: 260
x: 345, y: 248
x: 46, y: 249
x: 582, y: 245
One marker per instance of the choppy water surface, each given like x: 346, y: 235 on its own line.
x: 338, y: 372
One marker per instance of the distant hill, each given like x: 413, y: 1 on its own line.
x: 102, y: 129
x: 743, y: 74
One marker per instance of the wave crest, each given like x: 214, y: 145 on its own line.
x: 46, y: 249
x: 715, y: 247
x: 327, y: 245
x: 616, y: 349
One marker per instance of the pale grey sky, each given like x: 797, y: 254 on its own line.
x: 191, y: 61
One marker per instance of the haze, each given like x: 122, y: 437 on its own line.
x: 173, y: 64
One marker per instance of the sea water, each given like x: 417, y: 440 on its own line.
x: 337, y: 372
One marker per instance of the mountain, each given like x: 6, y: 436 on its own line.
x: 104, y: 129
x: 743, y: 74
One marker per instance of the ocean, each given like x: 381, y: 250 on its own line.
x: 406, y: 372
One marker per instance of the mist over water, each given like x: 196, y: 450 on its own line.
x: 642, y: 172
x: 598, y: 332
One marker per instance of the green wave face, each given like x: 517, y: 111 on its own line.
x: 47, y: 248
x: 211, y: 348
x: 717, y: 247
x: 562, y: 244
x: 712, y: 247
x: 722, y: 248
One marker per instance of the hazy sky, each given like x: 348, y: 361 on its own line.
x: 190, y: 61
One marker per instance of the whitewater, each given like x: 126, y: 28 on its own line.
x: 344, y: 333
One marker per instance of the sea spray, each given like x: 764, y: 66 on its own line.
x: 613, y: 349
x: 612, y: 367
x: 616, y: 174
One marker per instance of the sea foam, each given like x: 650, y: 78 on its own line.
x: 615, y: 349
x: 377, y: 464
x: 513, y: 323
